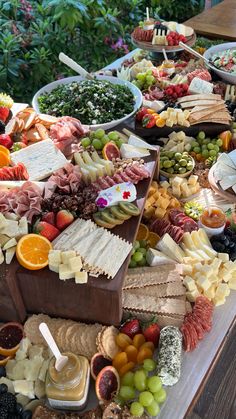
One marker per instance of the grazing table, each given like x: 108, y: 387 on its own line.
x: 217, y: 22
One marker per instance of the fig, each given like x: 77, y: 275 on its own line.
x: 107, y: 384
x: 10, y: 337
x: 98, y: 362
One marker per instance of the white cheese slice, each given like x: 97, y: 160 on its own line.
x: 223, y: 256
x: 10, y: 254
x: 3, y: 221
x: 227, y: 159
x: 200, y: 86
x: 227, y: 182
x: 128, y: 151
x: 155, y: 258
x: 232, y: 156
x: 1, y: 256
x: 168, y: 246
x: 138, y: 142
x: 12, y: 242
x: 156, y: 105
x: 40, y: 159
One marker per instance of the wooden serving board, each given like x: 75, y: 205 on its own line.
x: 229, y: 196
x: 147, y: 46
x: 97, y: 301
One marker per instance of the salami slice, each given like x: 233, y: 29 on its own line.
x: 198, y: 328
x: 187, y: 338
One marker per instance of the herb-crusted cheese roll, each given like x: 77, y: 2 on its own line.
x: 170, y: 354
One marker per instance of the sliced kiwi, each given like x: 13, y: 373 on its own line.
x: 129, y: 208
x: 101, y: 222
x: 119, y: 213
x: 109, y: 217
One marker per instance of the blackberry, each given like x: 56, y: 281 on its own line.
x: 2, y: 372
x: 3, y: 389
x: 8, y: 400
x: 3, y: 412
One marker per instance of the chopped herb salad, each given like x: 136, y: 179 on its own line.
x: 91, y: 101
x: 225, y: 60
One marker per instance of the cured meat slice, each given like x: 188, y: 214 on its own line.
x: 124, y: 177
x: 117, y: 178
x: 110, y: 181
x: 189, y: 226
x: 140, y: 171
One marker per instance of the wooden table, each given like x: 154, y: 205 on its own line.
x: 217, y: 22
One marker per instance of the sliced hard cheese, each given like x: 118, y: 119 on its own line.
x: 137, y: 142
x: 3, y: 221
x: 168, y: 246
x: 227, y: 182
x: 10, y: 254
x: 129, y: 151
x: 10, y: 243
x: 1, y: 256
x: 40, y: 159
x: 155, y: 258
x: 200, y: 86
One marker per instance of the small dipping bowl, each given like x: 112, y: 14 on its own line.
x: 213, y: 220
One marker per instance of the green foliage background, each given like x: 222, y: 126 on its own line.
x: 33, y: 33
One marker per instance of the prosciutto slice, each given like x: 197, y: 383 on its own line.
x: 68, y: 179
x: 66, y: 133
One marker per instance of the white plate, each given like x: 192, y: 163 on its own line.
x: 231, y: 78
x: 114, y: 80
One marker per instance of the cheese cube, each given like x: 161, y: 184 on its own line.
x: 151, y: 200
x: 192, y: 295
x: 53, y: 267
x: 165, y: 184
x: 176, y: 191
x: 164, y: 203
x: 230, y: 266
x: 203, y: 283
x: 160, y: 212
x: 24, y: 387
x: 193, y: 180
x: 185, y: 189
x: 214, y: 278
x: 225, y: 275
x: 210, y: 292
x: 177, y: 181
x: 198, y: 267
x: 232, y: 284
x: 10, y: 254
x: 218, y: 301
x: 75, y: 264
x: 154, y: 184
x: 222, y: 290
x: 81, y: 277
x: 67, y: 255
x: 216, y: 263
x: 223, y: 256
x: 151, y: 191
x: 148, y: 213
x: 23, y: 227
x: 10, y: 243
x: 3, y: 221
x: 207, y: 270
x: 189, y: 283
x: 65, y: 272
x: 54, y: 257
x: 187, y: 269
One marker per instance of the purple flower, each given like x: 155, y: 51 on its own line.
x: 118, y: 44
x: 101, y: 202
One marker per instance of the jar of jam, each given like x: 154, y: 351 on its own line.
x: 68, y: 388
x: 213, y: 220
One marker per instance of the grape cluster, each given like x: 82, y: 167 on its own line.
x: 139, y: 252
x: 9, y: 408
x: 225, y: 243
x: 144, y: 392
x: 206, y: 147
x: 98, y: 139
x: 144, y: 80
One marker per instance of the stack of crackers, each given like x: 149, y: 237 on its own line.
x: 159, y: 291
x: 70, y: 336
x: 34, y: 126
x: 205, y: 108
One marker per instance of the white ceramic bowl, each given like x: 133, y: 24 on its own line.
x: 219, y: 48
x: 114, y: 80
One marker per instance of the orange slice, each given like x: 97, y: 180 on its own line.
x: 32, y: 251
x: 153, y: 239
x: 4, y: 150
x: 4, y: 159
x: 226, y: 137
x: 143, y: 232
x: 110, y: 151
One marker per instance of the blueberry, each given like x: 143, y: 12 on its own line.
x: 2, y: 372
x: 3, y: 388
x: 27, y: 414
x: 19, y: 408
x: 222, y: 238
x: 231, y: 245
x: 229, y: 232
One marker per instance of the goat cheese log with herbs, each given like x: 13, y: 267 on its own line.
x: 91, y: 101
x: 170, y: 352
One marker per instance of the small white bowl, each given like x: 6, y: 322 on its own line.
x: 231, y: 78
x: 211, y: 231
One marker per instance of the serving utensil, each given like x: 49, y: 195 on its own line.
x: 61, y: 360
x: 193, y: 52
x: 74, y: 66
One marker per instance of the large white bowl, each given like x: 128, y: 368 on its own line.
x: 219, y: 48
x: 114, y: 80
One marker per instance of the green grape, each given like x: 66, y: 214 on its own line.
x: 183, y: 163
x: 219, y: 142
x: 140, y: 380
x: 201, y: 135
x: 85, y: 142
x: 136, y: 245
x: 150, y: 80
x: 132, y: 264
x: 136, y: 409
x: 137, y: 256
x: 194, y: 144
x: 143, y: 243
x: 97, y: 144
x: 142, y: 262
x: 170, y: 154
x: 149, y: 365
x: 142, y: 250
x: 119, y: 142
x: 141, y: 77
x: 177, y: 166
x: 128, y: 379
x: 204, y: 147
x: 189, y: 166
x: 212, y: 153
x: 154, y: 383
x: 182, y: 170
x: 113, y: 136
x: 144, y: 372
x: 153, y: 409
x: 127, y: 393
x: 167, y: 164
x: 145, y: 398
x: 197, y: 150
x: 99, y: 133
x: 105, y: 140
x: 210, y: 146
x: 149, y: 72
x: 170, y: 170
x: 216, y: 148
x: 172, y: 162
x: 178, y: 156
x: 160, y: 396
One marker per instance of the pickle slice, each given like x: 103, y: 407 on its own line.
x: 107, y: 216
x: 129, y: 208
x: 119, y: 213
x: 101, y: 222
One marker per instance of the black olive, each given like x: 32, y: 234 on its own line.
x: 19, y: 408
x: 3, y: 388
x: 2, y: 371
x: 218, y: 247
x: 232, y: 256
x: 27, y: 414
x: 222, y: 238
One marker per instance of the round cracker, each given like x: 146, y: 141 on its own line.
x: 108, y: 341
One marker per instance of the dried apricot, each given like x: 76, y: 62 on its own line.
x: 126, y: 368
x: 144, y: 353
x: 149, y: 345
x: 123, y: 340
x: 138, y: 340
x: 120, y: 360
x: 132, y: 353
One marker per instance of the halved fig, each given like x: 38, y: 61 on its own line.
x: 10, y: 337
x: 98, y: 362
x: 107, y: 384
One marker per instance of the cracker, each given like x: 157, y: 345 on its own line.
x: 29, y: 121
x: 153, y: 304
x: 42, y: 131
x: 160, y: 290
x: 147, y: 276
x: 108, y: 342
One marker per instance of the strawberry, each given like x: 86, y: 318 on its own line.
x: 6, y: 141
x: 131, y: 328
x: 47, y: 230
x: 63, y: 219
x: 4, y: 112
x: 49, y: 217
x: 152, y: 333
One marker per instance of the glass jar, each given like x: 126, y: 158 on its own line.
x: 68, y: 388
